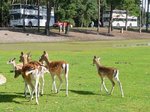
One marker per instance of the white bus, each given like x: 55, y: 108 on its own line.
x: 30, y: 15
x: 119, y: 19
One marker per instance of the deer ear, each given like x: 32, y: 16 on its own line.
x: 29, y: 54
x: 14, y: 58
x: 94, y: 56
x: 21, y: 53
x: 44, y: 52
x: 98, y: 58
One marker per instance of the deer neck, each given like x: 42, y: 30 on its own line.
x: 25, y: 62
x: 98, y: 64
x: 47, y: 61
x: 13, y: 65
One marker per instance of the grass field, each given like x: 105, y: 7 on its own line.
x: 131, y: 57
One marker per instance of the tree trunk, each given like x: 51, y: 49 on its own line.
x: 98, y: 25
x: 38, y: 15
x: 12, y: 1
x: 1, y: 12
x: 126, y: 23
x: 110, y: 20
x: 24, y: 16
x: 147, y: 15
x: 140, y: 20
x: 49, y: 6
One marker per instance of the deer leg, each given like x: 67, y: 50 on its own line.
x: 29, y: 89
x: 43, y: 81
x: 61, y: 81
x: 120, y: 85
x: 33, y: 90
x: 112, y: 89
x: 25, y: 89
x: 54, y: 84
x: 66, y: 79
x: 103, y: 84
x: 36, y: 89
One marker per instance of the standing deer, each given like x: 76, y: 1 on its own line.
x: 16, y: 67
x: 111, y: 73
x: 56, y: 68
x: 32, y: 71
x: 35, y: 75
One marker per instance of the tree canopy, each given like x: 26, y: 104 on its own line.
x: 77, y: 12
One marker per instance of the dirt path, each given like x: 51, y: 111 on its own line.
x: 7, y: 36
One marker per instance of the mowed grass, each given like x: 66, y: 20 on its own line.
x: 131, y: 57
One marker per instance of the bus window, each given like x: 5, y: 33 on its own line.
x: 15, y: 16
x: 31, y: 7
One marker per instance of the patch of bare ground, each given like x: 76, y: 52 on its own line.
x: 75, y: 34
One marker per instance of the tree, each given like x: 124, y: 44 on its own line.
x: 98, y: 25
x: 49, y: 4
x: 65, y: 10
x: 147, y: 15
x: 111, y: 5
x: 79, y: 11
x: 4, y: 12
x: 86, y: 12
x: 132, y: 7
x: 38, y: 3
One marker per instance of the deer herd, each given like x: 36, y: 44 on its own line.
x: 33, y: 71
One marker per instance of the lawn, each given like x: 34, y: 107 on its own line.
x: 131, y: 57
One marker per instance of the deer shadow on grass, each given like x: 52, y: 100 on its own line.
x: 7, y: 97
x: 81, y: 92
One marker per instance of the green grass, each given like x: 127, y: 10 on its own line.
x: 131, y: 57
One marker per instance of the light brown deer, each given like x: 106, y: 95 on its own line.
x: 56, y: 68
x: 111, y: 73
x: 32, y: 71
x: 16, y: 67
x: 35, y: 75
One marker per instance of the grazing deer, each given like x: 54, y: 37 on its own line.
x: 56, y: 68
x: 111, y: 73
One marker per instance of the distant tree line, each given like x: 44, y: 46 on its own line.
x: 79, y: 12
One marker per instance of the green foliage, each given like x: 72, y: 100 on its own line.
x: 130, y: 57
x: 132, y: 6
x: 79, y: 12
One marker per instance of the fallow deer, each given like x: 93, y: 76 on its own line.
x: 15, y: 66
x: 111, y: 73
x: 56, y: 68
x: 32, y: 71
x: 35, y: 75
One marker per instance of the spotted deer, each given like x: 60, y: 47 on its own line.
x: 111, y: 73
x: 56, y: 68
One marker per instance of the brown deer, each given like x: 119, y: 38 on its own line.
x: 56, y: 68
x: 111, y: 73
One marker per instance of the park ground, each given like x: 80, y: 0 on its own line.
x: 75, y: 34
